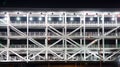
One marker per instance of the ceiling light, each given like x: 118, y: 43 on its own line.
x: 18, y: 18
x: 71, y: 18
x: 31, y: 18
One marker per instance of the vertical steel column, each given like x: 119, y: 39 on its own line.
x: 84, y: 40
x: 116, y: 40
x: 98, y: 36
x: 8, y: 35
x: 80, y: 36
x: 102, y: 18
x: 103, y: 39
x: 82, y: 43
x: 98, y: 19
x: 46, y: 40
x: 63, y: 41
x: 115, y: 19
x: 116, y: 33
x: 27, y: 35
x: 64, y: 37
x: 80, y: 31
x: 98, y: 30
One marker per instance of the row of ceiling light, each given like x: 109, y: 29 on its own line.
x: 60, y: 18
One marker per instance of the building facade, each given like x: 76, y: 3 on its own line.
x: 59, y: 35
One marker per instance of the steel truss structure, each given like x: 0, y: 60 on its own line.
x: 59, y: 36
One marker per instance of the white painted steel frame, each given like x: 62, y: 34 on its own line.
x: 45, y: 52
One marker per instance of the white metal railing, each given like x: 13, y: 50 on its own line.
x: 109, y: 23
x: 36, y: 33
x: 23, y: 46
x: 36, y: 22
x: 34, y: 46
x: 94, y: 46
x: 16, y: 34
x: 92, y: 33
x: 53, y: 58
x: 30, y: 33
x: 2, y: 57
x: 106, y: 46
x: 61, y: 23
x: 55, y: 22
x: 14, y: 58
x: 20, y: 22
x: 3, y: 33
x: 18, y: 46
x: 52, y: 34
x: 91, y: 22
x: 73, y: 22
x: 110, y: 45
x: 57, y: 46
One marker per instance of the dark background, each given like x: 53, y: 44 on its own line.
x: 59, y: 64
x: 61, y: 3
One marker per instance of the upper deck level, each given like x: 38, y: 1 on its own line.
x: 62, y: 17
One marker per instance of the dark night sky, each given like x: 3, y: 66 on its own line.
x: 61, y: 3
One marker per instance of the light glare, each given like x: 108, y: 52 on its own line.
x: 49, y: 19
x: 71, y: 18
x: 91, y: 19
x: 18, y: 18
x: 31, y: 18
x: 60, y: 18
x: 112, y: 18
x: 40, y: 19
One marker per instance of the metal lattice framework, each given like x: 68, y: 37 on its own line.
x: 59, y: 36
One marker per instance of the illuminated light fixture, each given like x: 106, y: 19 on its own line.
x: 60, y: 19
x: 71, y: 19
x: 18, y: 18
x: 112, y: 18
x: 101, y: 18
x: 40, y: 18
x: 49, y: 19
x: 31, y: 18
x: 91, y: 19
